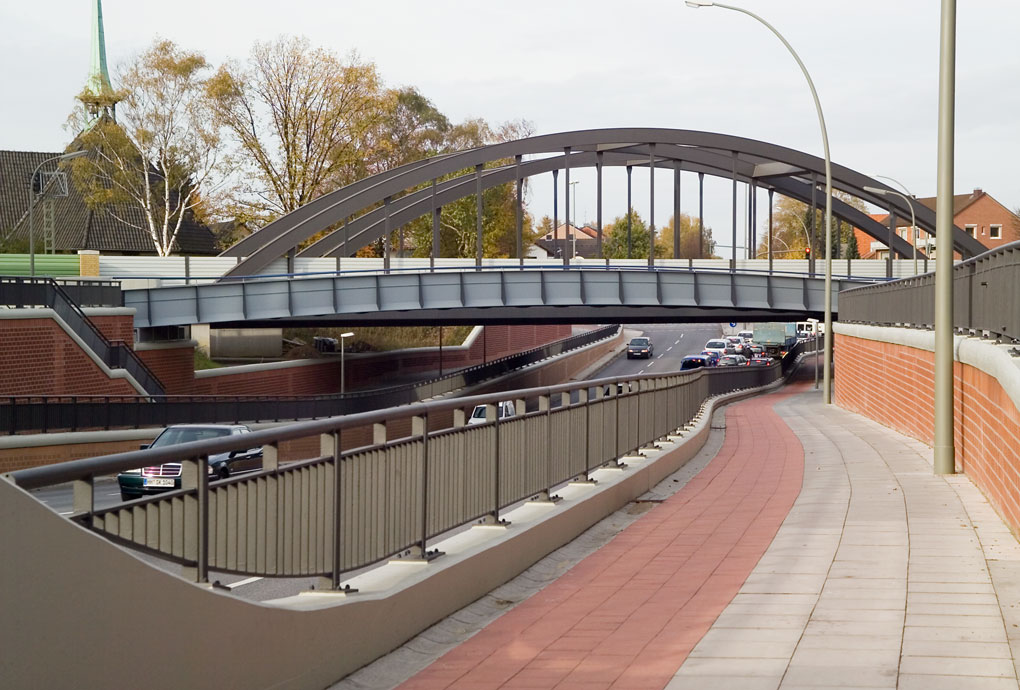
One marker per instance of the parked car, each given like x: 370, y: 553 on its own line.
x: 717, y: 345
x: 155, y: 479
x: 640, y: 347
x: 695, y: 362
x: 506, y: 410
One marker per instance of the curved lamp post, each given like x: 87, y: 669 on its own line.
x: 927, y: 235
x: 827, y: 359
x: 32, y: 196
x: 913, y: 220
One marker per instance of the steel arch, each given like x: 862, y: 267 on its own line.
x: 767, y: 164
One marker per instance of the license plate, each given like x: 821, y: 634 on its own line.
x: 160, y: 481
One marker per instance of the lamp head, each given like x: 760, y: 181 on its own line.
x: 876, y: 190
x: 699, y: 3
x: 346, y: 335
x: 73, y: 155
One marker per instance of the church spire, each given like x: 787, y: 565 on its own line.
x: 99, y: 96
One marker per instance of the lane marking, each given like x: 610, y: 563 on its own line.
x: 668, y: 349
x: 678, y: 340
x: 242, y: 583
x: 659, y: 357
x: 641, y: 372
x: 681, y: 335
x: 70, y: 512
x: 115, y: 493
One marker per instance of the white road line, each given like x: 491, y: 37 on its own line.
x: 678, y: 341
x: 641, y: 372
x: 659, y: 357
x: 241, y: 583
x: 115, y: 493
x: 67, y: 513
x: 668, y: 349
x: 681, y: 335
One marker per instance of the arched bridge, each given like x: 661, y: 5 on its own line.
x: 374, y: 207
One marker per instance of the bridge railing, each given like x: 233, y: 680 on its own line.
x: 44, y: 414
x: 342, y: 510
x: 985, y: 297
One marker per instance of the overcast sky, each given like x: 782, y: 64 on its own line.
x: 579, y: 65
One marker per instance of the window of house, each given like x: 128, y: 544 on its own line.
x: 995, y: 232
x: 971, y: 230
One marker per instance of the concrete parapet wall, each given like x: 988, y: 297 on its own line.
x: 887, y: 374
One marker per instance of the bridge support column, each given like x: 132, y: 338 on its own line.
x: 598, y: 204
x: 771, y: 191
x: 630, y: 171
x: 733, y: 246
x: 701, y: 215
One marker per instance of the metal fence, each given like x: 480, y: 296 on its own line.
x: 985, y: 297
x: 341, y: 511
x: 46, y: 292
x: 25, y: 414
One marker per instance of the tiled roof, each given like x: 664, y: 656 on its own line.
x: 78, y: 227
x: 960, y: 201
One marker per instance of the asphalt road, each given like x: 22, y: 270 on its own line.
x: 671, y: 343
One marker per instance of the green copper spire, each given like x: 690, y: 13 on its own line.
x: 99, y: 76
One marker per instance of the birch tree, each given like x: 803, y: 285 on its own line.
x: 162, y: 149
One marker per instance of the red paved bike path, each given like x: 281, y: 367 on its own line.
x: 628, y: 615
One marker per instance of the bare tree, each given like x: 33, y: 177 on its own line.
x: 161, y: 150
x: 298, y: 116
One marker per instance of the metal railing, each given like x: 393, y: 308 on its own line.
x: 985, y: 297
x: 341, y: 511
x: 20, y: 292
x: 42, y: 414
x: 46, y: 292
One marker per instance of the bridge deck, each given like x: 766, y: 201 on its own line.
x: 815, y: 549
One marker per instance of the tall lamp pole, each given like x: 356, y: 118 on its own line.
x: 945, y: 453
x: 573, y: 194
x: 913, y: 220
x: 827, y: 360
x: 343, y: 337
x: 32, y: 198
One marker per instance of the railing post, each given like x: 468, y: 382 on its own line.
x: 330, y: 445
x: 83, y: 501
x: 378, y: 434
x: 195, y: 475
x: 420, y: 427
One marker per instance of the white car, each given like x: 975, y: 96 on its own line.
x: 748, y: 336
x: 717, y: 345
x: 506, y: 410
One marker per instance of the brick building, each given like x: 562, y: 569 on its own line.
x: 979, y: 213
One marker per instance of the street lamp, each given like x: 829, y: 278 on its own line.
x: 927, y: 234
x: 32, y: 200
x: 913, y: 220
x: 343, y: 337
x: 827, y: 365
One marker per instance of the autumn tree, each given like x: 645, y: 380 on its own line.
x: 791, y: 223
x: 299, y: 118
x: 616, y: 244
x: 690, y: 240
x: 161, y: 150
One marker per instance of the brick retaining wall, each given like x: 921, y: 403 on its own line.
x: 894, y: 385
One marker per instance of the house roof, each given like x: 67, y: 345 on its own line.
x: 79, y: 227
x: 960, y: 201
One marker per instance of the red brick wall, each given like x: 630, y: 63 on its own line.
x: 984, y: 213
x: 116, y: 327
x: 894, y: 385
x: 174, y: 367
x: 38, y: 358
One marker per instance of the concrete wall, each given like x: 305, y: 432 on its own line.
x: 887, y: 374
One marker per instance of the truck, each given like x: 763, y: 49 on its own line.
x: 776, y: 337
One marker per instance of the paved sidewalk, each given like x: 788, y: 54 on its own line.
x: 815, y: 550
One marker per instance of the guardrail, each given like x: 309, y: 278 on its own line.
x: 985, y: 297
x: 21, y: 414
x: 46, y: 292
x: 345, y: 510
x: 20, y: 292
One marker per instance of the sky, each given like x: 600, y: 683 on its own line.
x: 572, y: 65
